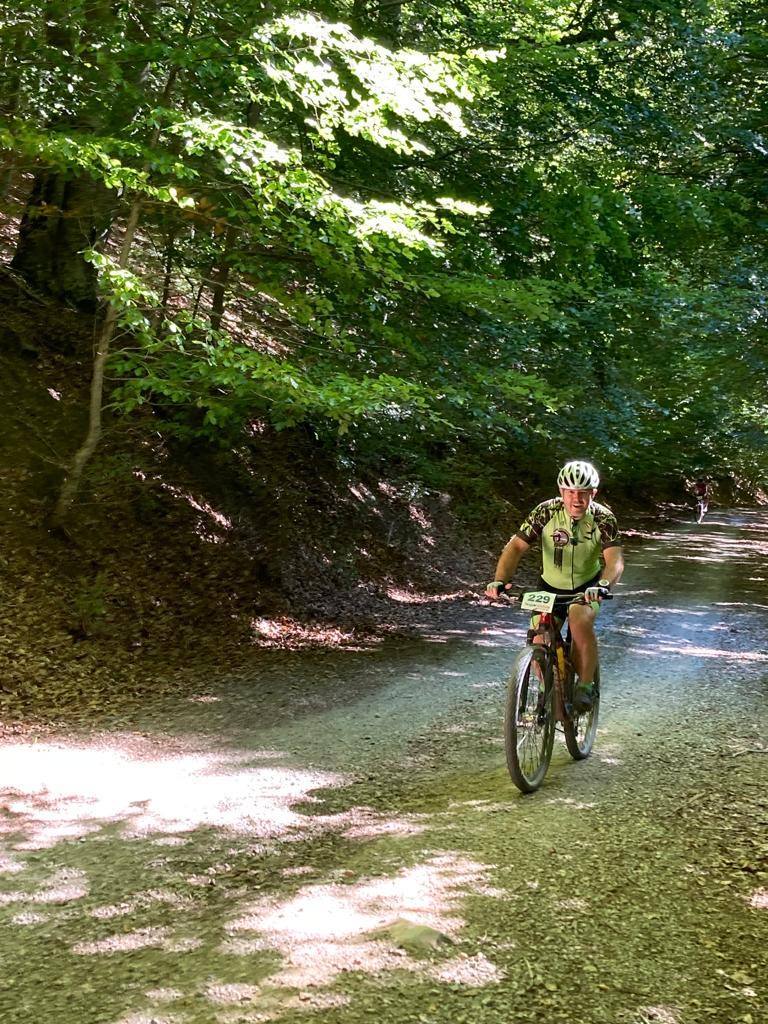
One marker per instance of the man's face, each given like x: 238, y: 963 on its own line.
x: 577, y: 499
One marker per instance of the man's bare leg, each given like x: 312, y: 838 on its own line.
x: 581, y: 619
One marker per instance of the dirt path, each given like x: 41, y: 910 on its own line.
x: 246, y: 854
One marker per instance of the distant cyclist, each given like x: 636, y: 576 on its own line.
x: 581, y: 552
x: 700, y: 490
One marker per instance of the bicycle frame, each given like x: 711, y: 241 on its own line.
x: 549, y: 629
x: 540, y: 694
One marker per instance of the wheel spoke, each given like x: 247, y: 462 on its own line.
x: 529, y: 726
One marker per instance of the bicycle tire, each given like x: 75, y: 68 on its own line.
x: 529, y: 718
x: 580, y: 730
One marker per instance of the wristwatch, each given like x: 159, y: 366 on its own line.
x: 604, y: 583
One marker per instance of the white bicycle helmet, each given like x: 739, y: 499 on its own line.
x: 578, y: 475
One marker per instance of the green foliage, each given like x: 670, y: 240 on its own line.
x: 551, y: 244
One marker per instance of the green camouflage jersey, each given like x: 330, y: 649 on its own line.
x: 570, y: 548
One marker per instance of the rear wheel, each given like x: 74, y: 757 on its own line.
x: 529, y: 720
x: 580, y: 730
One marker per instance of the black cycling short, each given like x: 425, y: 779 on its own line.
x: 561, y: 610
x: 543, y: 585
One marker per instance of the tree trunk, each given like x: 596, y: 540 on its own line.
x: 68, y: 212
x: 64, y: 216
x: 170, y: 252
x: 10, y: 103
x: 82, y: 456
x: 71, y: 484
x: 220, y: 279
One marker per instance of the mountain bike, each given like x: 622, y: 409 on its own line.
x: 540, y: 694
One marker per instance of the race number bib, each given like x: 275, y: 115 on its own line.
x: 538, y: 601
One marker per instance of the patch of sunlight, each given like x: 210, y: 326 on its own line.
x: 291, y: 634
x: 65, y: 886
x: 204, y: 698
x: 367, y: 824
x: 473, y: 971
x: 129, y: 942
x: 141, y: 938
x: 361, y: 492
x: 666, y: 649
x: 142, y: 900
x: 182, y: 945
x: 29, y: 917
x: 713, y: 652
x: 200, y: 506
x: 222, y: 993
x: 486, y: 806
x: 325, y: 930
x: 575, y: 903
x: 657, y: 1015
x: 759, y: 899
x: 403, y: 596
x: 242, y: 1014
x: 164, y: 995
x: 675, y: 612
x: 318, y: 1001
x: 16, y: 896
x: 739, y: 604
x: 148, y: 1018
x: 67, y: 790
x: 493, y: 892
x: 569, y: 801
x: 630, y: 631
x: 199, y: 880
x: 9, y: 865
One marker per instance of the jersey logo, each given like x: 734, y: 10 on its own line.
x: 561, y: 539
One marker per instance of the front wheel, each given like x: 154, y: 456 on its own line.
x: 529, y: 719
x: 580, y: 730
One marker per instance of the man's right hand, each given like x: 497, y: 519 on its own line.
x: 492, y: 590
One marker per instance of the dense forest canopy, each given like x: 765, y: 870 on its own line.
x: 462, y: 240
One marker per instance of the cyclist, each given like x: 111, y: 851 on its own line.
x: 701, y: 493
x: 581, y: 552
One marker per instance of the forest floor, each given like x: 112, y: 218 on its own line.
x: 331, y: 836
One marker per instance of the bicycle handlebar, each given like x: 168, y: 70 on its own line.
x: 561, y: 599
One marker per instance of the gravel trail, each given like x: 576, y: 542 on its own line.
x: 335, y: 838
